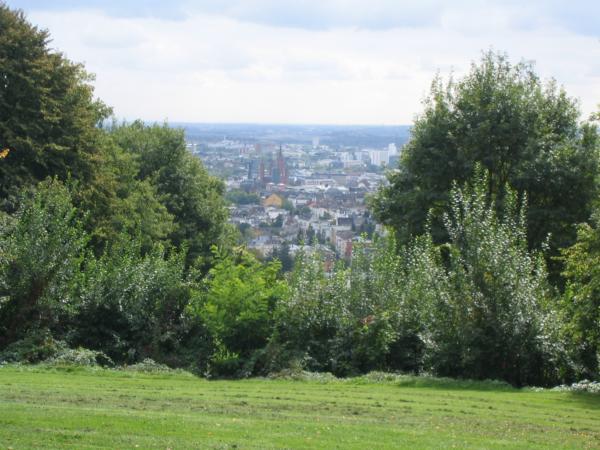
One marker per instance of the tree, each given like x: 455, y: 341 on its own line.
x: 121, y: 203
x: 48, y: 115
x: 581, y: 300
x: 240, y: 197
x: 491, y: 318
x: 190, y: 195
x: 237, y: 308
x: 41, y: 253
x: 524, y: 132
x: 282, y: 254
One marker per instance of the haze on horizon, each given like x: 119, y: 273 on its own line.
x: 309, y: 62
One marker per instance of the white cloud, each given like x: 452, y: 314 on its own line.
x: 218, y: 66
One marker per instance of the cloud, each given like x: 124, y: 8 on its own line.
x: 323, y: 15
x: 578, y: 16
x: 116, y: 8
x: 234, y: 64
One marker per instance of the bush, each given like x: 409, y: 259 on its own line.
x: 478, y: 307
x: 490, y: 319
x: 133, y: 304
x: 35, y: 347
x: 148, y: 365
x: 583, y: 386
x: 79, y: 357
x: 42, y: 252
x: 236, y: 305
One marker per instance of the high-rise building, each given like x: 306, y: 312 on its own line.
x: 379, y: 157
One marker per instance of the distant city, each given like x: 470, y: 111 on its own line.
x: 295, y: 187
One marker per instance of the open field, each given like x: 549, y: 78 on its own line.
x: 86, y: 408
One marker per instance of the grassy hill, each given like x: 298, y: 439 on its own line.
x: 91, y: 408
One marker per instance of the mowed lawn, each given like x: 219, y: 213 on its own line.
x: 85, y: 408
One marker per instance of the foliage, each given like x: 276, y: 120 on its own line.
x: 148, y: 365
x: 582, y: 386
x: 282, y: 254
x: 524, y: 132
x: 236, y: 305
x: 121, y: 203
x: 41, y: 254
x: 78, y: 357
x: 48, y: 115
x: 581, y: 300
x: 38, y: 345
x: 190, y: 195
x: 490, y: 321
x: 133, y: 304
x: 239, y: 197
x: 112, y: 257
x: 478, y: 306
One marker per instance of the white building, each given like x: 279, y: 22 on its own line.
x: 379, y: 157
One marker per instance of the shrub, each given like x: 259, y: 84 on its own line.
x: 79, y: 357
x: 236, y: 305
x: 133, y: 304
x: 36, y: 346
x: 489, y: 321
x: 42, y: 250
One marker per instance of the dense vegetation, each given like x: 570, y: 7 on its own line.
x: 113, y: 238
x: 524, y: 132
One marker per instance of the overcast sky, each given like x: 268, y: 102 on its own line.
x: 309, y: 61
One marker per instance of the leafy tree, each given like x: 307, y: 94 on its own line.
x: 524, y: 132
x: 581, y: 300
x: 237, y: 305
x: 282, y: 254
x: 48, y: 115
x: 240, y: 197
x: 190, y: 195
x: 308, y: 318
x: 121, y: 203
x: 278, y: 222
x: 304, y: 212
x: 42, y: 250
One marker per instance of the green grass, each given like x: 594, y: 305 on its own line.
x: 86, y: 408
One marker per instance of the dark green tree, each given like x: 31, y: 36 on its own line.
x: 524, y: 132
x: 282, y: 254
x: 190, y: 195
x: 48, y: 115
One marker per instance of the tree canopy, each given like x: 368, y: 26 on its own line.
x: 523, y: 131
x: 48, y: 114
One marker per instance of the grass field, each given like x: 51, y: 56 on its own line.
x: 86, y: 408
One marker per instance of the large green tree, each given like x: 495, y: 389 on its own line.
x: 189, y: 193
x: 524, y: 132
x: 48, y: 114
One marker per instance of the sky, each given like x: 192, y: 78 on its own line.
x: 310, y: 61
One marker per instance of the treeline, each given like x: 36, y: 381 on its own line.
x: 113, y: 238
